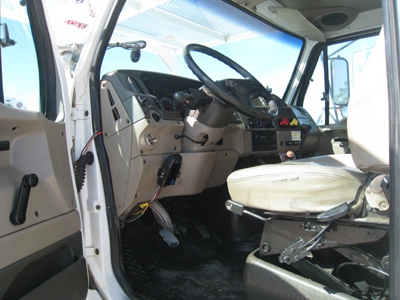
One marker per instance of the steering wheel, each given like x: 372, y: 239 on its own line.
x: 236, y: 92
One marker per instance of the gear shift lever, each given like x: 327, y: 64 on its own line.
x: 305, y: 129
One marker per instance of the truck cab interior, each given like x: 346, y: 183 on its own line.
x: 229, y: 176
x: 199, y: 149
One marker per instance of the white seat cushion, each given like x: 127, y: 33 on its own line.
x: 311, y: 185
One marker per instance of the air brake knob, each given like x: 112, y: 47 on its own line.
x: 285, y: 122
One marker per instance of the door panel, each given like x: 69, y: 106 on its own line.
x: 37, y: 146
x: 41, y: 252
x: 333, y: 139
x: 43, y: 256
x: 55, y: 272
x: 37, y: 237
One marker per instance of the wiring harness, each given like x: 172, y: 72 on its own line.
x: 140, y: 209
x: 85, y: 158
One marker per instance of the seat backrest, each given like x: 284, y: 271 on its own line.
x: 368, y: 114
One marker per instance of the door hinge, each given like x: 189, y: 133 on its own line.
x: 79, y: 114
x: 91, y: 251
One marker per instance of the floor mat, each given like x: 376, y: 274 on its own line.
x: 197, y: 269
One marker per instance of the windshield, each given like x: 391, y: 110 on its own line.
x: 270, y: 55
x: 167, y: 27
x: 71, y: 22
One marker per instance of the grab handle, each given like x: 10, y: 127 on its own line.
x: 18, y: 213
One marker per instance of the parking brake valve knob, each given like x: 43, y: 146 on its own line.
x: 285, y: 122
x: 294, y: 122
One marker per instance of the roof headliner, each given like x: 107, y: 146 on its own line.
x: 305, y: 5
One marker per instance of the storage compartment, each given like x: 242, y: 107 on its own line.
x: 39, y: 275
x: 263, y: 280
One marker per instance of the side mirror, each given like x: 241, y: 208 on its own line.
x: 340, y: 88
x: 5, y: 37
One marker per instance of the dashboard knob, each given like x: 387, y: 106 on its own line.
x: 285, y: 122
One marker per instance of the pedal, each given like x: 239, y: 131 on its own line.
x: 169, y: 238
x: 203, y: 231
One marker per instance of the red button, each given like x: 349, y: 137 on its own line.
x: 285, y: 122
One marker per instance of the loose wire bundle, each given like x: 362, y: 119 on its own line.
x: 144, y: 207
x: 85, y: 149
x: 85, y: 158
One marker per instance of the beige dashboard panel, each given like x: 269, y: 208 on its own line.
x: 194, y: 174
x: 119, y: 153
x: 163, y: 132
x: 198, y: 131
x: 133, y: 141
x: 236, y: 138
x: 114, y: 115
x: 232, y: 139
x: 224, y: 164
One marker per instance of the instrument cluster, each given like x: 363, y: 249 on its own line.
x: 172, y: 105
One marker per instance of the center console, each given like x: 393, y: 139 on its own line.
x: 264, y: 140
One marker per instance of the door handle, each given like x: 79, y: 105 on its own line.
x: 18, y: 213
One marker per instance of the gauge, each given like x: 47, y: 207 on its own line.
x: 178, y: 106
x: 166, y: 104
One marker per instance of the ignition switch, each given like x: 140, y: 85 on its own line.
x: 151, y: 140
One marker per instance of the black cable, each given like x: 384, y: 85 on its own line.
x: 89, y: 141
x: 352, y: 263
x: 203, y: 142
x: 381, y: 294
x: 80, y: 169
x: 318, y: 237
x: 378, y: 261
x: 359, y: 292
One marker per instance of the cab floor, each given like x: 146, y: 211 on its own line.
x: 197, y: 269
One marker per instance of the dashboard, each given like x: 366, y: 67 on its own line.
x: 143, y: 125
x: 164, y: 87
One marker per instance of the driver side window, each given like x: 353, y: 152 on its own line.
x: 344, y: 62
x: 19, y: 66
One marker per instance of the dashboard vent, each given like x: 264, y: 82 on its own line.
x: 116, y: 114
x: 112, y: 103
x: 113, y: 108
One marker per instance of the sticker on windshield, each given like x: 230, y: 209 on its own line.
x: 296, y: 136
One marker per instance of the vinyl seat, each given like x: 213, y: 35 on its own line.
x: 317, y: 184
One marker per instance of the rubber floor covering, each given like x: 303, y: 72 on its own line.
x: 197, y: 269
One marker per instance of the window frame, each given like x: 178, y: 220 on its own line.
x: 45, y: 60
x: 312, y: 61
